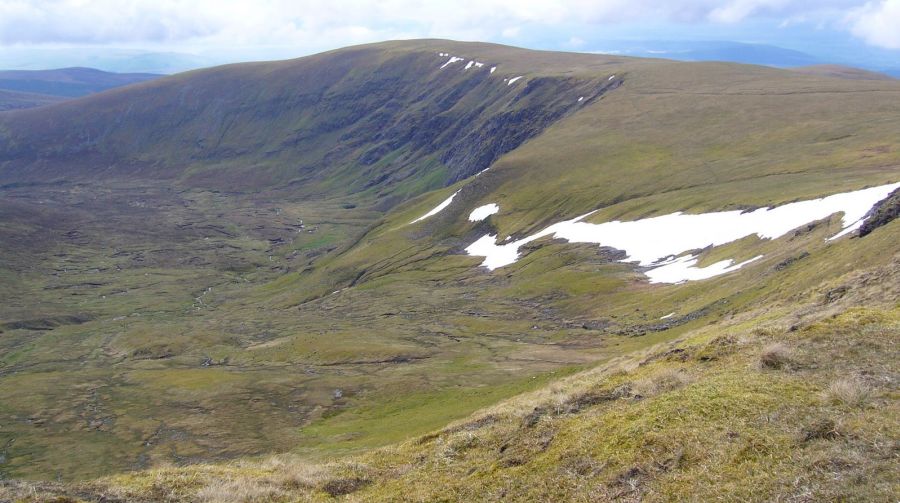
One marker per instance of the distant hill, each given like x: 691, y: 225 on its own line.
x: 14, y: 100
x: 67, y: 82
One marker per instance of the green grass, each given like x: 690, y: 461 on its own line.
x: 693, y: 418
x: 423, y: 336
x: 399, y: 416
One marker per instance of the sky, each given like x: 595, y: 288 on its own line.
x: 184, y: 34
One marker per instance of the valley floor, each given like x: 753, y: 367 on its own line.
x: 794, y: 402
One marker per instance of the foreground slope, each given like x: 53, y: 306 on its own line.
x: 194, y: 256
x: 792, y: 402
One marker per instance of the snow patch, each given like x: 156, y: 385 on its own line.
x: 685, y: 269
x: 469, y: 65
x: 478, y: 65
x: 610, y: 78
x: 659, y: 242
x: 513, y: 80
x: 493, y: 68
x: 482, y: 212
x: 580, y: 99
x: 666, y: 317
x: 453, y: 59
x: 437, y: 209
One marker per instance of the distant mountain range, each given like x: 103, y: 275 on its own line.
x: 751, y: 53
x: 68, y: 82
x: 781, y: 55
x: 755, y: 54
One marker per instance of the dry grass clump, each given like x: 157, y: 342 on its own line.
x: 850, y: 391
x: 284, y: 477
x: 243, y: 490
x: 776, y: 356
x: 824, y: 429
x: 665, y: 379
x: 290, y: 473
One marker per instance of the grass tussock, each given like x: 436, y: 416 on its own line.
x: 848, y: 391
x: 661, y: 381
x: 776, y: 356
x: 236, y: 491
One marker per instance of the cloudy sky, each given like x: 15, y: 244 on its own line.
x: 42, y: 32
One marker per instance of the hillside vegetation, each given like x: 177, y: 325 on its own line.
x: 792, y: 403
x: 201, y: 271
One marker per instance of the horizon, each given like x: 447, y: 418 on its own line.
x: 169, y: 37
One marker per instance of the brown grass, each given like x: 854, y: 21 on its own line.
x: 776, y: 356
x: 850, y: 391
x: 665, y: 379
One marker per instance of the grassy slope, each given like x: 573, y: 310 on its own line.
x: 430, y: 328
x: 380, y: 122
x: 793, y: 401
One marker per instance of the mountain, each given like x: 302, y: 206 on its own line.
x: 12, y: 100
x: 67, y: 82
x: 435, y: 270
x: 359, y: 113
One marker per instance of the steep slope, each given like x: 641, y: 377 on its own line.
x: 68, y: 82
x: 189, y: 255
x: 387, y: 118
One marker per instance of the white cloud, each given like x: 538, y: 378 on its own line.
x: 738, y: 10
x: 512, y: 31
x: 878, y: 23
x: 310, y: 25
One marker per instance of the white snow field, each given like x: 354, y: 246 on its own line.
x: 437, y: 209
x: 482, y: 212
x: 659, y: 242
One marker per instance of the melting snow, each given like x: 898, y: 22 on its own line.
x: 437, y: 209
x: 513, y: 80
x: 685, y: 269
x: 453, y: 59
x: 657, y: 242
x: 479, y: 65
x: 482, y: 212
